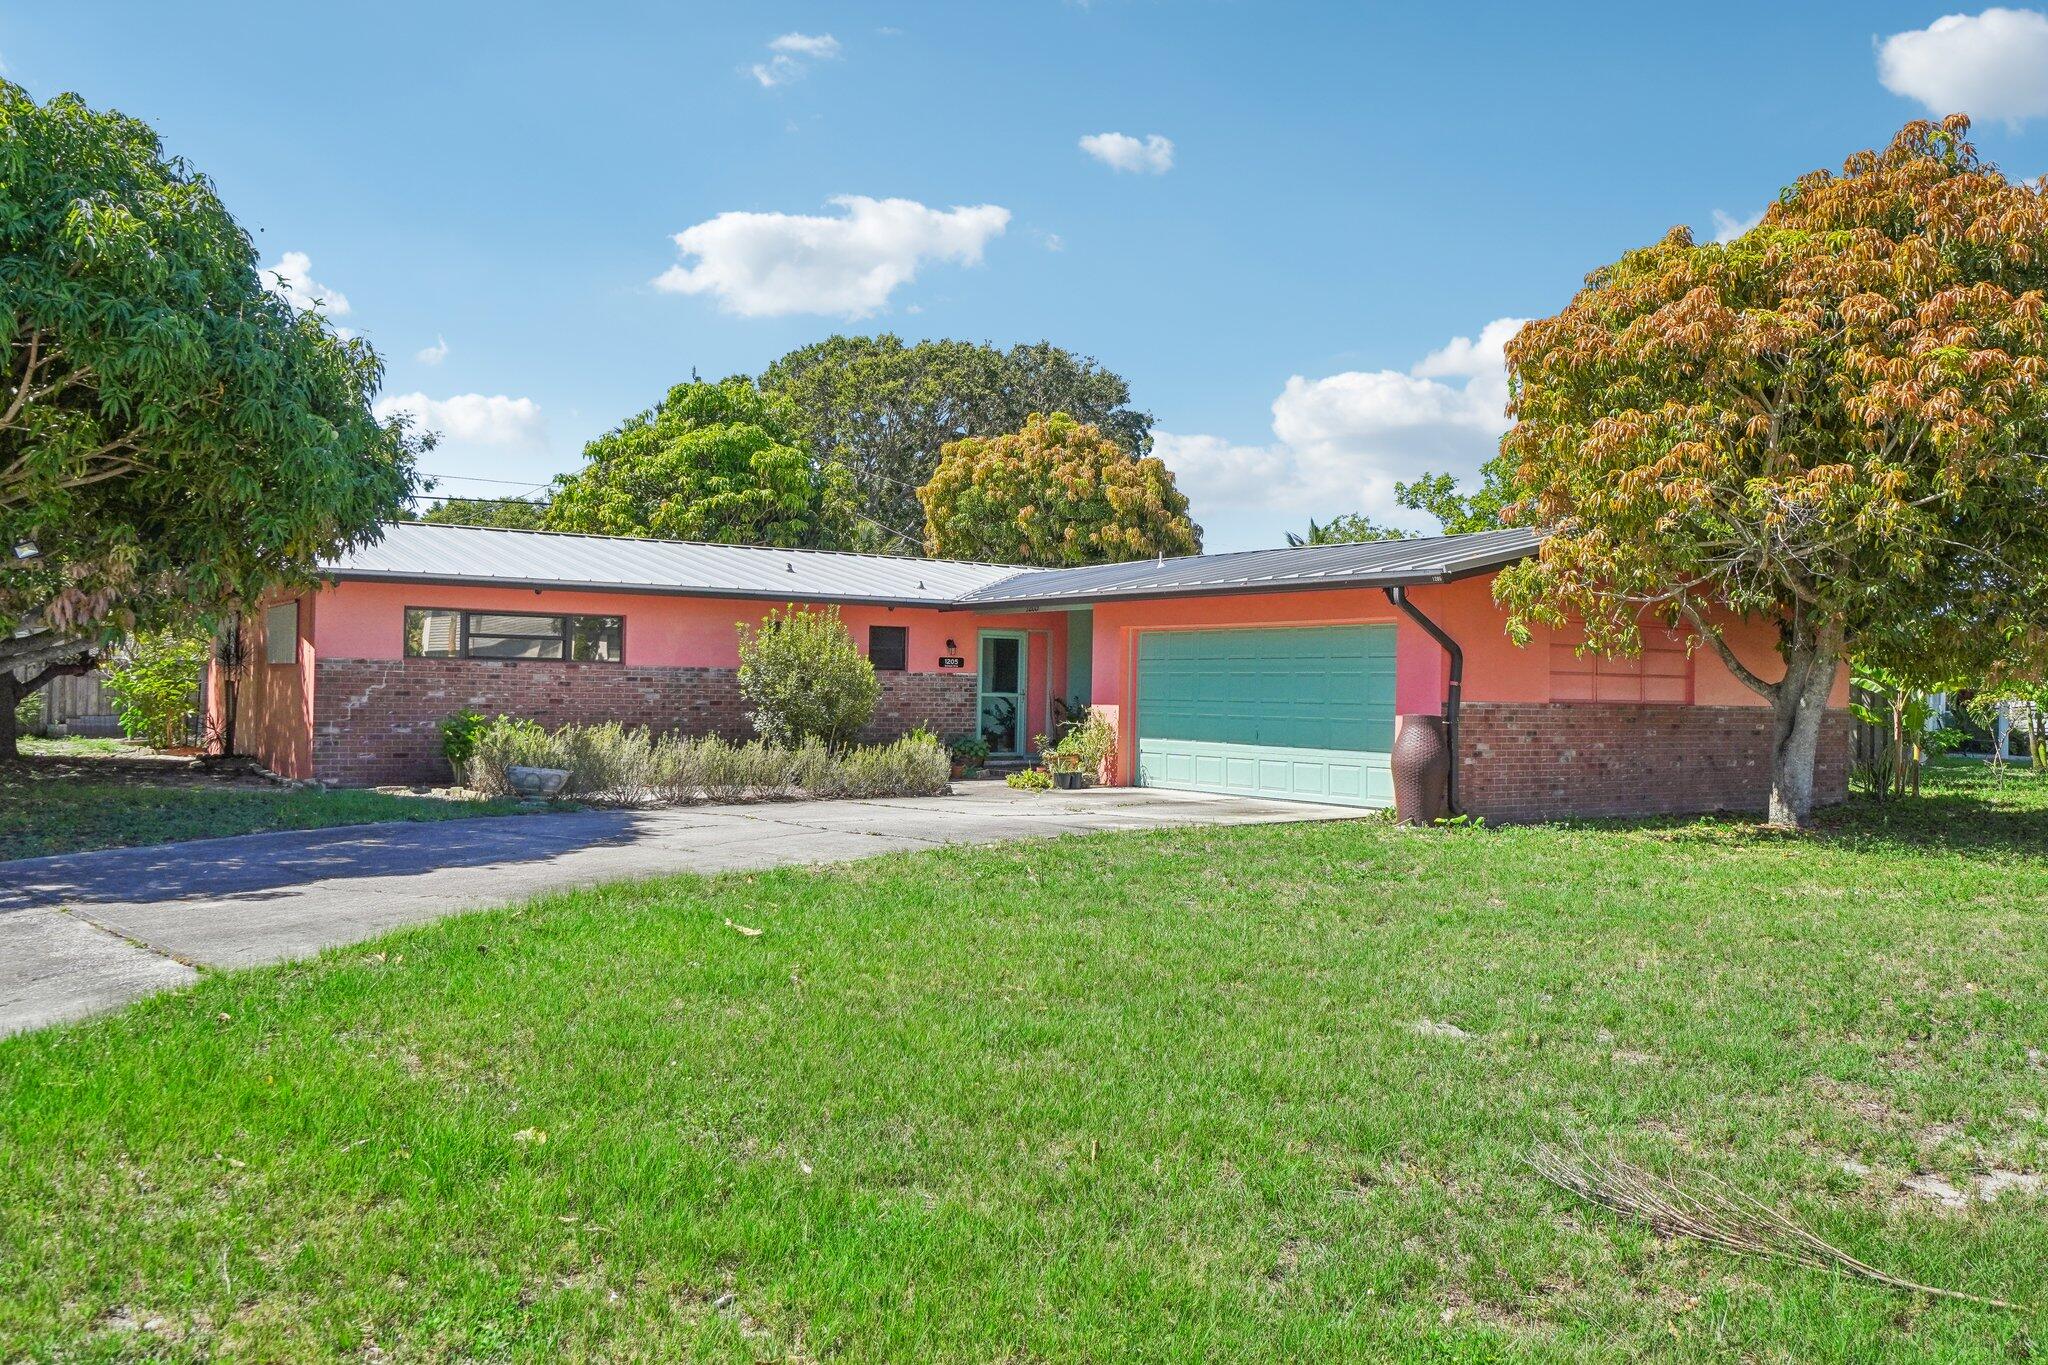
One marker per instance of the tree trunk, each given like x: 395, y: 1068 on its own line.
x: 11, y: 693
x: 1797, y: 711
x: 1896, y: 780
x: 13, y: 687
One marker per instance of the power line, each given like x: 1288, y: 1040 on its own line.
x: 478, y: 478
x: 458, y: 497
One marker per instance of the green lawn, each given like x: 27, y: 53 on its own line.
x: 42, y: 814
x: 77, y: 746
x: 1129, y: 1097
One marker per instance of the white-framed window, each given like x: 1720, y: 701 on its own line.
x: 281, y: 633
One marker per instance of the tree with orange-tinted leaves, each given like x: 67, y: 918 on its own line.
x: 1836, y: 423
x: 1058, y: 492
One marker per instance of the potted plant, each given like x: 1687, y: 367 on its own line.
x: 1062, y: 760
x: 1083, y: 752
x: 969, y: 754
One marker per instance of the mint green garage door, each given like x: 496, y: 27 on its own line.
x: 1300, y: 713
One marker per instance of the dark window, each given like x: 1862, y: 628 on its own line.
x: 439, y: 633
x: 889, y: 648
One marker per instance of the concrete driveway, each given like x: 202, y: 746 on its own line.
x: 92, y: 931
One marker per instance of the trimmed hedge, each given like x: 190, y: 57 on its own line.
x: 610, y: 764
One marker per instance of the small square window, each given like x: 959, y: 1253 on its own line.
x: 431, y: 633
x: 281, y: 634
x: 889, y: 648
x: 598, y: 639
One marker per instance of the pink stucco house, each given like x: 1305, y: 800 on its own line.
x: 1268, y: 672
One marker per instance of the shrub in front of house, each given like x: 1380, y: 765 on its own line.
x: 458, y: 739
x: 610, y: 764
x: 916, y: 765
x: 1086, y: 749
x: 154, y: 685
x: 508, y: 742
x: 805, y: 678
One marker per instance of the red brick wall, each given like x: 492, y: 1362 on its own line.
x: 1528, y: 761
x: 944, y: 702
x: 376, y: 720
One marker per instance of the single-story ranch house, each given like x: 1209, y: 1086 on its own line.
x: 1276, y: 673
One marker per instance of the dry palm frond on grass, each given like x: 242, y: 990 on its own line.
x: 1713, y: 1212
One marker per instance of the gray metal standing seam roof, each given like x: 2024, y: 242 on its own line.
x: 418, y: 551
x: 427, y: 552
x: 1370, y: 564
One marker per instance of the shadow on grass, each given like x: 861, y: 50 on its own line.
x: 1962, y: 807
x: 1986, y: 822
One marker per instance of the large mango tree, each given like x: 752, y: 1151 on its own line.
x: 1836, y: 423
x: 175, y: 438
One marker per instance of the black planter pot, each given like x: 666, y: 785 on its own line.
x: 1067, y: 782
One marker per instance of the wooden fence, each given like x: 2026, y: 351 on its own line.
x: 80, y: 704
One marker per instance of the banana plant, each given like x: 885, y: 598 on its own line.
x: 1906, y: 715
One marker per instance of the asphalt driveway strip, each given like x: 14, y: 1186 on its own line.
x: 88, y: 932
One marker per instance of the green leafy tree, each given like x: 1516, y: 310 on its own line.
x: 1458, y: 512
x: 515, y: 514
x: 805, y: 678
x: 175, y: 439
x: 1057, y: 492
x: 709, y: 462
x: 885, y: 409
x: 1833, y: 424
x: 155, y: 685
x: 1346, y: 528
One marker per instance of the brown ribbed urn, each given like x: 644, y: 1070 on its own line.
x: 1422, y: 770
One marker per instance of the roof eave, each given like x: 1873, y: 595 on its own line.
x: 1376, y: 581
x: 633, y: 589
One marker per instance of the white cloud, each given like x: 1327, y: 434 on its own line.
x: 1122, y: 152
x: 1992, y: 65
x: 821, y: 45
x: 291, y: 279
x: 792, y: 55
x: 1464, y: 358
x: 434, y: 354
x: 1341, y: 442
x: 760, y: 265
x: 1727, y: 227
x: 472, y: 418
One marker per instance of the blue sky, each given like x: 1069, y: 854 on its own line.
x: 495, y: 190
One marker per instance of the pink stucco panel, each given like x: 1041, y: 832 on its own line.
x: 274, y: 715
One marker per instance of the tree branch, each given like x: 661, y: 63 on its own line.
x: 1712, y: 636
x: 63, y: 668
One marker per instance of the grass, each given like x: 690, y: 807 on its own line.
x: 1131, y: 1097
x: 77, y: 746
x: 47, y: 814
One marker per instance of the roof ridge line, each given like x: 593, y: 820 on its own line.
x: 1019, y: 569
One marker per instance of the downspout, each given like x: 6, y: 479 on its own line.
x: 1455, y: 693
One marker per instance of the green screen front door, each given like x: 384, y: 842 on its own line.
x: 1300, y: 713
x: 1002, y: 691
